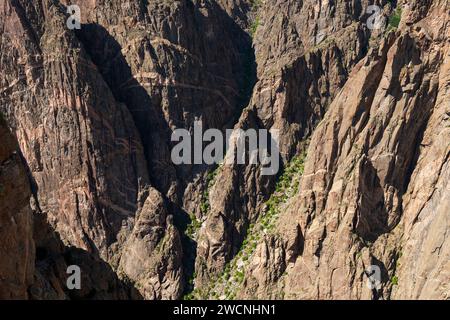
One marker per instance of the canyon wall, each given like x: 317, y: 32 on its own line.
x: 86, y: 175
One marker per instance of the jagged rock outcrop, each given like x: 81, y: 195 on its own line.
x: 93, y: 110
x: 81, y: 145
x: 304, y: 53
x: 381, y: 141
x: 152, y: 251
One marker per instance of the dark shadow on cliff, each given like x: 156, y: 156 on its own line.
x: 191, y: 91
x: 146, y: 103
x: 153, y: 130
x: 182, y: 220
x: 106, y: 54
x: 377, y: 293
x: 371, y: 219
x: 98, y: 279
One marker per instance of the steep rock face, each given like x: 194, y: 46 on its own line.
x: 81, y: 147
x: 152, y: 251
x: 16, y: 224
x: 384, y: 137
x: 304, y: 52
x: 170, y: 63
x: 34, y: 260
x: 173, y: 63
x: 93, y: 111
x: 424, y: 269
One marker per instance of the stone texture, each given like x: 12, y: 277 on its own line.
x: 299, y: 70
x: 86, y: 139
x: 359, y: 202
x: 152, y: 251
x: 16, y: 224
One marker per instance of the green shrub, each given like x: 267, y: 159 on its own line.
x: 254, y: 27
x: 394, y: 19
x: 210, y: 180
x: 193, y: 226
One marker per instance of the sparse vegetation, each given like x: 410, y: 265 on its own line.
x: 399, y: 255
x: 234, y: 272
x: 193, y: 227
x: 394, y: 280
x: 255, y: 5
x: 210, y: 180
x: 394, y: 19
x: 254, y: 26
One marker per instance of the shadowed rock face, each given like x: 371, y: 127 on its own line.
x: 34, y: 259
x: 16, y: 225
x: 86, y: 176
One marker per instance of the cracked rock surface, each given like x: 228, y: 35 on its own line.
x: 86, y: 176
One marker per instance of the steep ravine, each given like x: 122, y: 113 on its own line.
x: 86, y: 175
x: 298, y: 76
x: 358, y: 202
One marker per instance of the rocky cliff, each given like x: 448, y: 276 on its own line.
x: 86, y: 176
x: 17, y: 246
